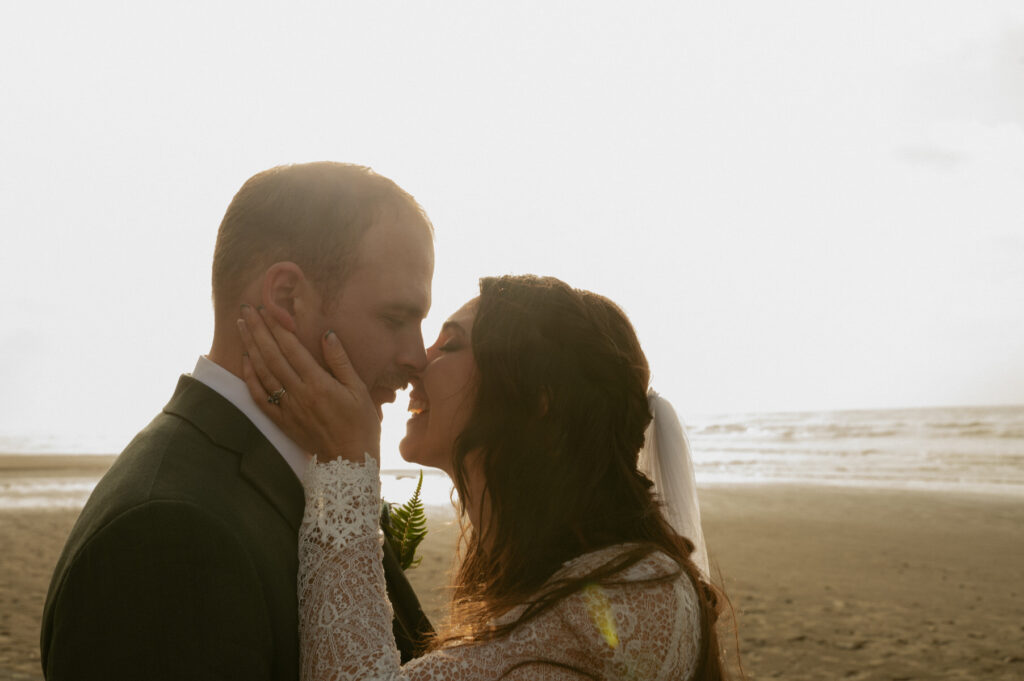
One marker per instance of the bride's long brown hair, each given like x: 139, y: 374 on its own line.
x: 556, y: 428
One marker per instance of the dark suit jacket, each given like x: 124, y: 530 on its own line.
x: 183, y: 562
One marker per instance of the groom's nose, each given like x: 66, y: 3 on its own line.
x: 412, y: 356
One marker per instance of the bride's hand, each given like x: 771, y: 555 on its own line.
x: 332, y: 416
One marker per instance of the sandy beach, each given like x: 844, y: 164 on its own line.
x: 826, y: 582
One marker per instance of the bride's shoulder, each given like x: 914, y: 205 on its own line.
x: 651, y: 585
x: 646, y: 615
x: 640, y: 622
x: 651, y: 566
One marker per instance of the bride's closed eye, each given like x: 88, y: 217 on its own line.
x: 450, y: 346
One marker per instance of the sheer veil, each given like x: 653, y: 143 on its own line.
x: 666, y: 460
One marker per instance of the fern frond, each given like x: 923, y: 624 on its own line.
x: 407, y: 526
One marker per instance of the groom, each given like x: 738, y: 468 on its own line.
x: 183, y: 562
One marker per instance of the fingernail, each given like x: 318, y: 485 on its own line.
x: 330, y: 336
x: 245, y: 307
x: 260, y: 309
x: 240, y: 323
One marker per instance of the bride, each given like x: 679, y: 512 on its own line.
x: 535, y: 402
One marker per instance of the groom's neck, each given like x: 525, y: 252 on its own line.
x: 227, y: 354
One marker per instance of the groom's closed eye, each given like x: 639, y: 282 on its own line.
x: 402, y: 314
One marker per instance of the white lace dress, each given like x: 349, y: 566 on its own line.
x: 642, y: 631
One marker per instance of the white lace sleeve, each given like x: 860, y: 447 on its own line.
x: 648, y: 630
x: 345, y: 616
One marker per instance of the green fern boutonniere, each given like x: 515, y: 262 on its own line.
x: 405, y: 527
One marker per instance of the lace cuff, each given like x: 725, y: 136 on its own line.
x: 344, y: 614
x: 342, y: 501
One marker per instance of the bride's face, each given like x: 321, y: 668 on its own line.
x: 442, y: 394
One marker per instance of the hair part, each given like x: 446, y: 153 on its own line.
x: 312, y: 214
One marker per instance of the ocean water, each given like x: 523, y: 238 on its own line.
x: 45, y: 493
x: 970, y: 449
x: 979, y: 449
x: 50, y: 489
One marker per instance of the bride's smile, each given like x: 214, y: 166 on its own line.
x: 442, y: 394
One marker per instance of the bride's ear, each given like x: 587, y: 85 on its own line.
x: 286, y: 292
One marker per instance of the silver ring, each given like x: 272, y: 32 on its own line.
x: 275, y: 397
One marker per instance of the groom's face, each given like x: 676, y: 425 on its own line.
x: 380, y: 309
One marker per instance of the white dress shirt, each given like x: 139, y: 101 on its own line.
x: 234, y: 390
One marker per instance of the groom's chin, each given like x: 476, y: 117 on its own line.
x: 379, y: 397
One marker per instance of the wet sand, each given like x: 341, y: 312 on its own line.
x: 826, y: 583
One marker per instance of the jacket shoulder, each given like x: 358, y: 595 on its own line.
x: 162, y: 586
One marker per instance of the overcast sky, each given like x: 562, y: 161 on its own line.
x: 809, y: 205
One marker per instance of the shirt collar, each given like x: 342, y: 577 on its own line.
x: 234, y: 390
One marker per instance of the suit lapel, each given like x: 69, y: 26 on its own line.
x: 266, y: 470
x: 261, y: 465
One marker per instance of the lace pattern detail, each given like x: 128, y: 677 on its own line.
x: 646, y: 631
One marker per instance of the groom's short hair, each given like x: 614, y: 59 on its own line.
x: 312, y: 214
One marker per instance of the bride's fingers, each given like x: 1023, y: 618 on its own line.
x: 339, y: 363
x: 268, y: 361
x: 298, y: 357
x: 263, y: 380
x: 256, y: 389
x: 278, y: 412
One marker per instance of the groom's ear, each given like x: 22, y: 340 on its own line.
x: 286, y: 293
